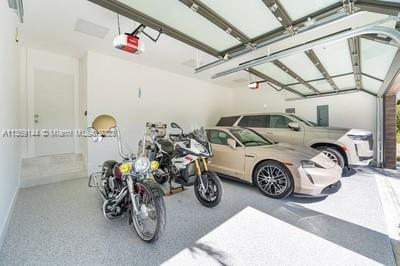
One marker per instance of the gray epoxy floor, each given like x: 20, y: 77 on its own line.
x: 61, y: 224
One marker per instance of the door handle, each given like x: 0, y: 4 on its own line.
x: 268, y: 132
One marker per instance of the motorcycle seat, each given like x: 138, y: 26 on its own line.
x: 166, y: 146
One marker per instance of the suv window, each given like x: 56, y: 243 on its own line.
x: 227, y: 121
x: 279, y: 121
x: 254, y: 121
x: 218, y: 137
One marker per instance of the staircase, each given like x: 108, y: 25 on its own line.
x: 50, y: 169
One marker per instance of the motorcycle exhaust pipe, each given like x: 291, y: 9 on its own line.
x: 121, y: 196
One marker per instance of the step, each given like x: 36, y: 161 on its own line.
x: 50, y: 169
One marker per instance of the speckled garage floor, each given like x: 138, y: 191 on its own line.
x: 61, y: 224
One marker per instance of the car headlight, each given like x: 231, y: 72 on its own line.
x: 309, y: 164
x: 142, y: 164
x: 200, y: 147
x: 358, y: 137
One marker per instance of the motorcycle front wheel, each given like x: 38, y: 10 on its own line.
x: 212, y: 195
x: 149, y: 222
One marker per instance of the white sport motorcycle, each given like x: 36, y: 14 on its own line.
x: 183, y: 160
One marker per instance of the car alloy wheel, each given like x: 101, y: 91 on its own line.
x: 272, y: 180
x: 331, y: 156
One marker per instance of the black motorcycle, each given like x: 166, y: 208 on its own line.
x: 127, y: 186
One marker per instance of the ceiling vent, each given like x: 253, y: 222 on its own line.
x: 18, y: 7
x: 91, y: 29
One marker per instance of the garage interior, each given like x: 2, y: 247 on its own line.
x: 335, y: 63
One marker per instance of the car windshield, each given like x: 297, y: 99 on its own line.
x: 308, y: 123
x: 249, y: 138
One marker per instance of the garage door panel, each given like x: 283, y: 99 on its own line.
x: 302, y: 89
x: 301, y: 8
x: 302, y: 66
x: 345, y: 82
x: 177, y: 15
x: 322, y: 86
x: 276, y: 73
x: 376, y: 58
x: 259, y: 22
x: 335, y: 58
x: 370, y: 84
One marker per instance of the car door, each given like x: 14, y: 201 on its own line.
x: 226, y: 160
x: 279, y: 130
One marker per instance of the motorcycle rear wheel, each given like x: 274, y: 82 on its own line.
x: 213, y: 194
x: 154, y: 207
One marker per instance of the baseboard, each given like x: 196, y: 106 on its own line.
x: 4, y: 228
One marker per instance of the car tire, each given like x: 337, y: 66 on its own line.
x: 334, y: 155
x: 275, y: 172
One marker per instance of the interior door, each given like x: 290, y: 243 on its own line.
x: 323, y: 115
x: 226, y: 160
x: 54, y: 111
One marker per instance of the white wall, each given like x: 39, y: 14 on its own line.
x: 113, y: 88
x: 264, y: 99
x: 353, y: 110
x: 9, y: 115
x: 32, y: 60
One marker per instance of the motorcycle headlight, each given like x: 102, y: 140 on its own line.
x: 200, y: 147
x: 154, y: 165
x: 309, y: 164
x: 142, y: 164
x: 125, y: 167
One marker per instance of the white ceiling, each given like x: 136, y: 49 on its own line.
x: 49, y: 25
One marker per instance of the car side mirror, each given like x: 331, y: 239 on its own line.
x: 232, y: 143
x: 295, y: 126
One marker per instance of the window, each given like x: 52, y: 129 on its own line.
x: 218, y: 137
x: 254, y: 121
x: 279, y: 121
x: 290, y: 110
x: 305, y: 121
x: 249, y: 137
x: 227, y: 121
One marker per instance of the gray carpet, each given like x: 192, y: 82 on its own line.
x: 62, y: 224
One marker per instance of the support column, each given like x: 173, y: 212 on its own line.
x: 389, y: 132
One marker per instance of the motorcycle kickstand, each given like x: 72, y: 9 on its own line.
x: 174, y: 190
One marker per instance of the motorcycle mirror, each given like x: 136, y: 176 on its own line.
x: 97, y: 138
x: 103, y: 124
x: 94, y: 134
x: 175, y: 125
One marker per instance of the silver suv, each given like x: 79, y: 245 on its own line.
x: 343, y: 145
